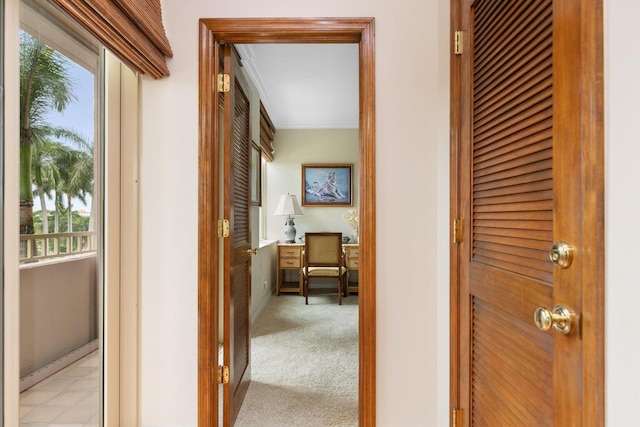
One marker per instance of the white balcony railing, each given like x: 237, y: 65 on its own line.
x: 34, y: 247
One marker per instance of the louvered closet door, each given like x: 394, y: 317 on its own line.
x: 511, y: 211
x: 517, y: 198
x: 237, y: 287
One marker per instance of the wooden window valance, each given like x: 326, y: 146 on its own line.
x: 267, y: 129
x: 130, y: 29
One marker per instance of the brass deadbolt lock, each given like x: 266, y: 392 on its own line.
x: 561, y: 254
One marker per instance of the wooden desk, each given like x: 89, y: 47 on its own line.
x: 352, y: 251
x: 289, y: 258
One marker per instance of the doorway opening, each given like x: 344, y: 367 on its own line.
x: 215, y: 32
x: 309, y: 95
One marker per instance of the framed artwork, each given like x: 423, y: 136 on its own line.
x: 326, y: 185
x: 256, y: 175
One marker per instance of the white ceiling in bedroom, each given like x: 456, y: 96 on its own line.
x: 305, y: 86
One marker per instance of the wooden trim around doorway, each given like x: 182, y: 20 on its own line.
x: 214, y: 32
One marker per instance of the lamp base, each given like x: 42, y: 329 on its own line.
x: 289, y: 231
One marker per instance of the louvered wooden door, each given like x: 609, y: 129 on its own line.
x: 522, y: 187
x: 237, y: 265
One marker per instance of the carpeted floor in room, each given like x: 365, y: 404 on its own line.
x: 304, y: 368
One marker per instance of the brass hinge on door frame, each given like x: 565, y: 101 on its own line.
x: 223, y: 228
x: 457, y: 42
x: 223, y: 374
x: 457, y: 230
x: 456, y: 417
x: 224, y: 82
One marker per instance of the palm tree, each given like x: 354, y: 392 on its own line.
x: 59, y: 168
x: 76, y: 177
x: 45, y: 174
x: 45, y: 85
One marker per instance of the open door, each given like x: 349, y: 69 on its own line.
x: 527, y: 176
x: 237, y: 245
x: 213, y: 33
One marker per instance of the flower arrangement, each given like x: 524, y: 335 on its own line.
x: 352, y: 217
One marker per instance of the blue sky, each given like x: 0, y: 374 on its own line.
x: 79, y: 116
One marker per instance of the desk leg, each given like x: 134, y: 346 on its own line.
x: 300, y: 283
x: 278, y: 278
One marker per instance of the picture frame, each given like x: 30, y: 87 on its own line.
x: 327, y: 184
x: 256, y: 175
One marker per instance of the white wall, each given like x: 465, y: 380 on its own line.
x: 294, y: 147
x: 412, y: 165
x: 407, y: 169
x: 263, y: 278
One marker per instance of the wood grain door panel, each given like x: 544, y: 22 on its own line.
x: 520, y: 185
x: 510, y: 212
x: 512, y: 370
x: 237, y: 279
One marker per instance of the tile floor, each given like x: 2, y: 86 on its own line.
x: 69, y: 398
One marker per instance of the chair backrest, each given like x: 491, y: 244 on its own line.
x: 323, y: 249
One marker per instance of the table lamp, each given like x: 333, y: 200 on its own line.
x: 288, y: 206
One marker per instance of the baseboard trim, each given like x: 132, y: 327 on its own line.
x: 262, y: 306
x: 55, y: 366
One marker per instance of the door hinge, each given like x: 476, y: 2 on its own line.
x: 223, y: 228
x: 223, y: 374
x: 456, y: 417
x: 457, y: 231
x: 224, y: 82
x: 457, y: 42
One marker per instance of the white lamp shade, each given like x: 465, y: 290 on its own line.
x: 288, y: 205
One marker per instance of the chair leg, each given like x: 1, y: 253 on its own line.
x: 305, y: 290
x: 340, y: 290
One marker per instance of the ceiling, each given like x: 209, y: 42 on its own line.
x: 305, y: 86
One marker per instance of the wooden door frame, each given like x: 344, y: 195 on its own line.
x: 589, y: 61
x: 281, y: 30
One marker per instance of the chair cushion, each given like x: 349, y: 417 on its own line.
x: 325, y: 271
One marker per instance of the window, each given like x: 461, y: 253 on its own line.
x: 38, y: 20
x: 61, y: 211
x: 261, y: 210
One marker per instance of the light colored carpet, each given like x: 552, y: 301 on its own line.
x: 304, y: 364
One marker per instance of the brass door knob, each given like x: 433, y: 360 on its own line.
x: 561, y: 318
x: 252, y: 252
x: 561, y: 254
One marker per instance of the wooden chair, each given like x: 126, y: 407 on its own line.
x: 323, y: 257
